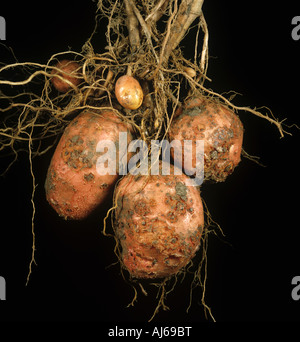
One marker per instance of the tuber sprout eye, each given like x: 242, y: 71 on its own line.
x: 129, y: 93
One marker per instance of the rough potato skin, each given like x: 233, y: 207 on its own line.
x: 73, y: 186
x: 159, y: 222
x: 221, y: 130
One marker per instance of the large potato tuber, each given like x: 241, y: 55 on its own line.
x: 219, y: 127
x: 159, y: 222
x: 74, y: 187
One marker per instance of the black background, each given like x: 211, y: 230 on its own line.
x: 250, y: 270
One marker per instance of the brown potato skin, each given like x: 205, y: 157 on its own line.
x: 73, y: 186
x: 220, y: 128
x: 68, y: 67
x: 159, y: 222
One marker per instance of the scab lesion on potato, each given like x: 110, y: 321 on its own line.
x: 141, y: 208
x: 103, y: 186
x: 229, y: 167
x: 214, y: 154
x: 77, y: 157
x: 89, y: 177
x: 50, y: 183
x: 76, y: 140
x: 122, y: 236
x: 181, y: 190
x: 130, y: 213
x: 200, y: 229
x: 172, y: 217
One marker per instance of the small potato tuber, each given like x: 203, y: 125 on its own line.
x: 129, y: 92
x: 70, y: 72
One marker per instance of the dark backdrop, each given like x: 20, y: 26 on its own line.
x: 251, y: 268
